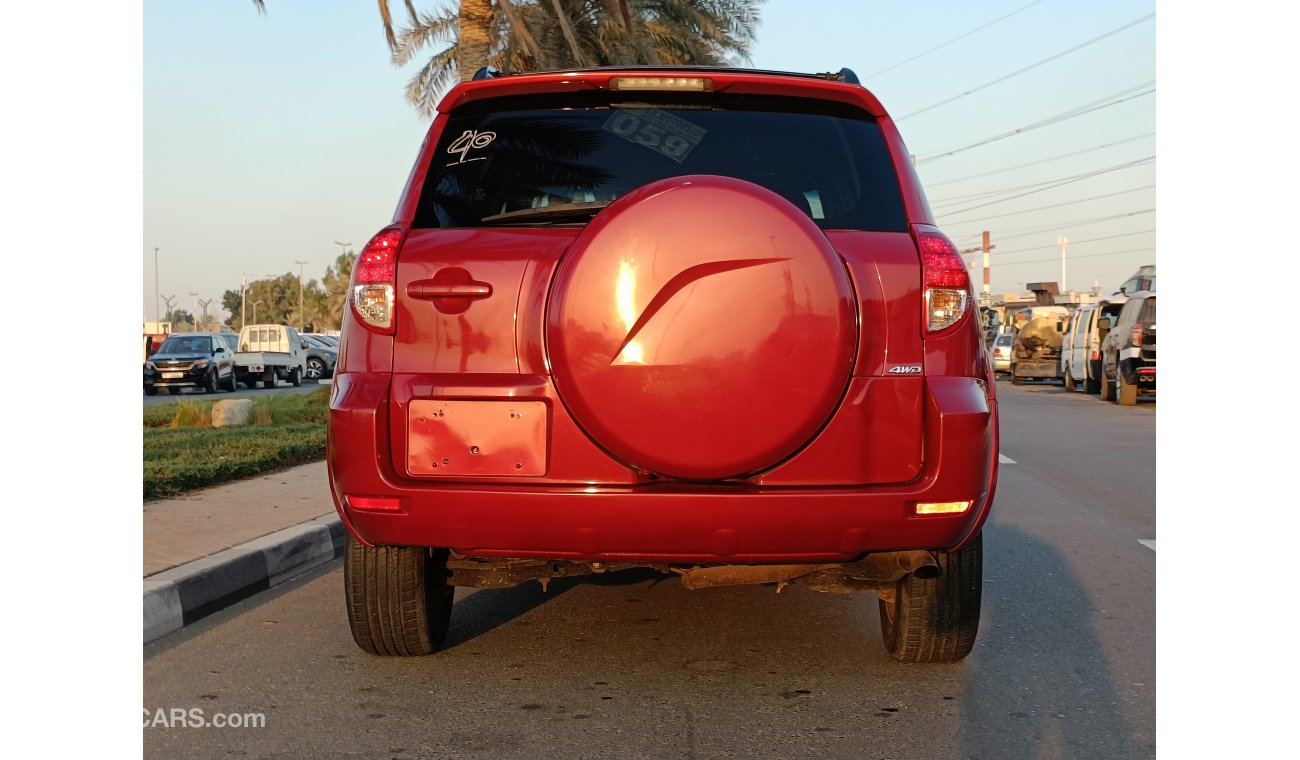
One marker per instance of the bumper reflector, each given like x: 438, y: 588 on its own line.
x: 374, y: 503
x: 942, y: 507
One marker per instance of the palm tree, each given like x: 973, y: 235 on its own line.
x: 533, y: 35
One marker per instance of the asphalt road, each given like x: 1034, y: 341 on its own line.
x: 634, y: 666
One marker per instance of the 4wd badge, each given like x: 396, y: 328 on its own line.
x: 905, y: 369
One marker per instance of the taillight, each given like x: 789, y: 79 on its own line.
x: 1135, y: 339
x: 374, y: 279
x: 1096, y: 356
x: 997, y: 352
x: 947, y: 286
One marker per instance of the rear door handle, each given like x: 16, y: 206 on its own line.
x: 449, y: 282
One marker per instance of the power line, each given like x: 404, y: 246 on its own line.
x: 1072, y: 258
x: 1079, y: 178
x: 1122, y: 96
x: 955, y: 39
x: 1055, y: 205
x: 1040, y: 161
x: 1026, y: 231
x: 959, y: 199
x: 1072, y: 242
x: 1031, y: 67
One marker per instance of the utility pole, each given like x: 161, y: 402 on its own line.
x: 1064, y: 242
x: 168, y: 300
x: 302, y: 316
x: 986, y: 298
x: 157, y: 308
x: 204, y: 304
x: 243, y: 302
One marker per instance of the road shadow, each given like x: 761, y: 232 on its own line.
x: 1038, y: 629
x: 487, y: 609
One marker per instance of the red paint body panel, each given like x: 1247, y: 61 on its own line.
x: 491, y: 318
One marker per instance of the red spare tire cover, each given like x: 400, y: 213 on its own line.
x: 701, y: 328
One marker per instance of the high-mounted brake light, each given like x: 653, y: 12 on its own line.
x: 947, y: 285
x: 374, y: 280
x: 690, y: 84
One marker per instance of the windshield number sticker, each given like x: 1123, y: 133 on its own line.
x: 469, y: 140
x: 659, y: 130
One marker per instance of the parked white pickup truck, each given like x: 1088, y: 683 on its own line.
x: 268, y: 353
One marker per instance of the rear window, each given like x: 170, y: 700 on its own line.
x: 829, y: 160
x: 1003, y: 340
x: 1148, y: 314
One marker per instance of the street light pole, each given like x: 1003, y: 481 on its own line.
x: 204, y: 304
x: 243, y: 301
x: 1064, y: 242
x: 194, y: 313
x: 302, y: 316
x: 255, y: 303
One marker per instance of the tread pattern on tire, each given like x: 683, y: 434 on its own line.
x: 398, y: 598
x: 936, y: 620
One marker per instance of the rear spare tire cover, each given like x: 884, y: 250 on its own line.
x: 701, y: 328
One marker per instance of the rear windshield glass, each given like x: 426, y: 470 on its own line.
x: 830, y: 161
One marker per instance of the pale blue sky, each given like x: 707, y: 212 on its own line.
x: 268, y: 138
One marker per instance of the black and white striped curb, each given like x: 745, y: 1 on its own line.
x: 177, y: 597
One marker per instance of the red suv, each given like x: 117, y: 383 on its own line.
x: 697, y: 320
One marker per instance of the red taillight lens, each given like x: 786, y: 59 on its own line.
x: 1135, y: 339
x: 944, y: 277
x: 997, y: 352
x: 374, y: 279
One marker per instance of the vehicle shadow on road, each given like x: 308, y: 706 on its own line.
x: 1037, y: 632
x: 487, y: 609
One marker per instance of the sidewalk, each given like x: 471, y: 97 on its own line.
x: 211, y: 548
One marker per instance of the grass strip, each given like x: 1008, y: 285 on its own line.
x: 182, y: 452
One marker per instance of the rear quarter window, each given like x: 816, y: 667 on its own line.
x: 829, y: 161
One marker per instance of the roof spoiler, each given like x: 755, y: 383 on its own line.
x: 843, y: 75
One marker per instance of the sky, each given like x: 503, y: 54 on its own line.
x: 239, y: 143
x: 270, y: 139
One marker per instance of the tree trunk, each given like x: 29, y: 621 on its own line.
x: 474, y: 37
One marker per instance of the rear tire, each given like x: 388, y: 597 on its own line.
x: 1017, y: 380
x: 1107, y: 390
x: 1128, y: 392
x: 1070, y: 385
x: 233, y: 384
x: 268, y: 380
x: 936, y: 620
x: 295, y: 377
x: 1090, y: 385
x: 398, y: 598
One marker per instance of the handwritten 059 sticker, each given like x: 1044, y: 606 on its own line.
x: 670, y: 135
x: 470, y: 139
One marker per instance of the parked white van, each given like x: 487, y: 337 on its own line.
x: 1081, y: 345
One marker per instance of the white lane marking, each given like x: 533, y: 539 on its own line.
x: 1004, y: 459
x: 1149, y: 543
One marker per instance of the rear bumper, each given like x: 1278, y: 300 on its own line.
x: 1139, y: 372
x: 706, y: 524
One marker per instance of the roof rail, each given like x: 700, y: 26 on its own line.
x: 843, y: 75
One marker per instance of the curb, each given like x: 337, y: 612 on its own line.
x: 182, y: 595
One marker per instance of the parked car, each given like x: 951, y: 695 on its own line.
x: 1081, y: 347
x: 190, y: 360
x: 1128, y: 352
x: 321, y: 357
x: 331, y: 340
x: 1002, y: 353
x: 696, y: 320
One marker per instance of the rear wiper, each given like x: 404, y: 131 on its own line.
x: 553, y: 212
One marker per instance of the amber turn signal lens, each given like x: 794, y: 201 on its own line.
x: 942, y: 507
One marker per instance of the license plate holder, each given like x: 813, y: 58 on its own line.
x: 490, y: 437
